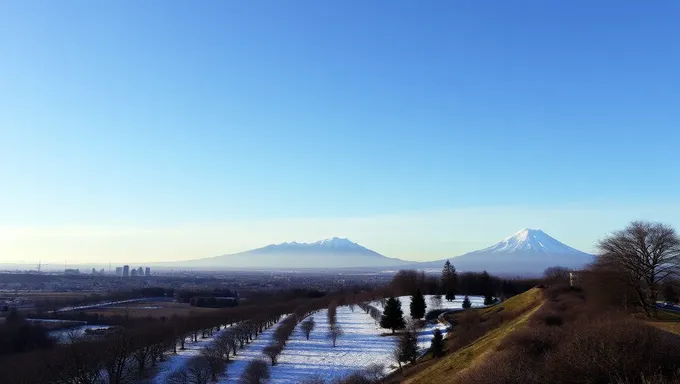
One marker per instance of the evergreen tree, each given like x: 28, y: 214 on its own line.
x: 466, y: 303
x: 449, y: 281
x: 437, y: 343
x: 392, y: 317
x: 418, y: 305
x: 485, y: 284
x: 670, y: 294
x: 488, y: 300
x: 407, y: 348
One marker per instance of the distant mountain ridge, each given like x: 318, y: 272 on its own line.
x: 526, y: 252
x: 333, y: 252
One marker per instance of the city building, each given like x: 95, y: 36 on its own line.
x: 126, y: 270
x: 147, y: 272
x: 119, y: 271
x: 140, y: 271
x: 133, y: 273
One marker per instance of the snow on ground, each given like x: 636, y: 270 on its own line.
x: 178, y: 361
x: 426, y: 333
x: 252, y: 351
x: 360, y: 346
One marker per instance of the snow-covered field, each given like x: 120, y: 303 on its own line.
x: 360, y: 346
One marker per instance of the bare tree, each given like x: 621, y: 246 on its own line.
x: 332, y: 313
x: 375, y: 372
x: 307, y: 326
x: 180, y: 376
x: 142, y: 355
x: 436, y: 301
x: 214, y: 360
x: 272, y: 351
x: 646, y: 253
x: 118, y: 350
x: 256, y: 372
x: 223, y: 343
x: 198, y: 370
x: 334, y: 333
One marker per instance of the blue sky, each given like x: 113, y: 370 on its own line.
x: 168, y: 130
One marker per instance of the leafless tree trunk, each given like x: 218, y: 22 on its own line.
x: 334, y: 333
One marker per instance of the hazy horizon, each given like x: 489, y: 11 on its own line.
x: 165, y: 131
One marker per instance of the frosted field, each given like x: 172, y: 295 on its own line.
x: 360, y: 346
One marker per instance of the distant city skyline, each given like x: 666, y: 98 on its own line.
x: 163, y: 131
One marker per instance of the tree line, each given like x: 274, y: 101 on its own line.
x: 139, y: 343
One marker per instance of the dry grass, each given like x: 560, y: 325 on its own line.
x: 154, y: 309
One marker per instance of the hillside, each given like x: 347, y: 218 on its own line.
x: 516, y: 310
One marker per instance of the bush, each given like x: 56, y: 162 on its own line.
x: 622, y: 350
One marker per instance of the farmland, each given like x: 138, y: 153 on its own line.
x: 156, y: 308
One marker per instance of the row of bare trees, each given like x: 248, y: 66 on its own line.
x: 214, y: 358
x: 372, y: 311
x: 334, y: 330
x: 128, y: 352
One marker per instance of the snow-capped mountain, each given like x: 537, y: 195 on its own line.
x: 328, y: 253
x: 530, y: 240
x: 529, y: 251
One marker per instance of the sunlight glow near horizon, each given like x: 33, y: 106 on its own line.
x: 155, y: 130
x: 418, y: 236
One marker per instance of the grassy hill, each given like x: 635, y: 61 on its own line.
x: 500, y: 320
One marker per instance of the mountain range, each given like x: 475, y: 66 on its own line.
x: 528, y: 251
x: 329, y: 253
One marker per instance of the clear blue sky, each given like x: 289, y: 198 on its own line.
x: 124, y: 118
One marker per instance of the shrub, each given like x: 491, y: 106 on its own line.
x: 614, y: 349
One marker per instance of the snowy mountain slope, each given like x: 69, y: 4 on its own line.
x: 526, y: 252
x: 329, y: 253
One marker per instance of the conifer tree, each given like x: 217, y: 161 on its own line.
x: 486, y: 286
x: 418, y: 305
x: 437, y: 343
x: 392, y: 317
x: 466, y: 303
x: 449, y: 281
